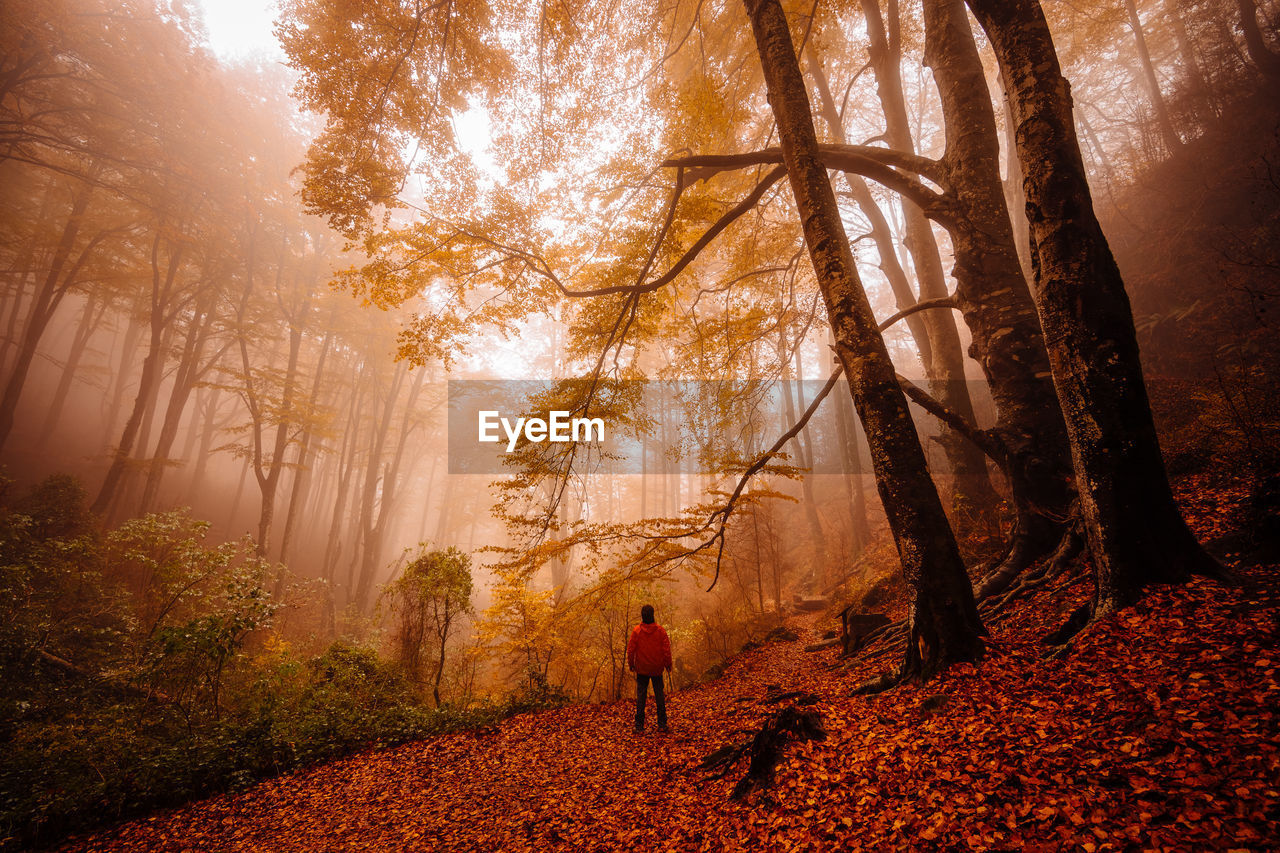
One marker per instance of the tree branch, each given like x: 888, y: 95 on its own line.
x: 984, y: 440
x: 761, y: 461
x: 948, y: 301
x: 879, y: 164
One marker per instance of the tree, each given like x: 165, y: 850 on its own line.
x: 944, y: 624
x: 427, y: 601
x: 1135, y: 531
x: 945, y: 369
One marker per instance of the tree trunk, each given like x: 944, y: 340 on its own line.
x: 207, y: 433
x: 1167, y: 131
x: 1266, y: 59
x: 184, y: 381
x: 303, y: 477
x: 346, y: 466
x: 1015, y: 200
x: 992, y: 296
x: 44, y: 303
x: 149, y: 383
x: 881, y: 234
x: 1136, y: 533
x: 120, y: 377
x: 90, y: 317
x: 972, y: 492
x: 944, y: 622
x: 804, y: 459
x: 1197, y: 86
x: 444, y: 638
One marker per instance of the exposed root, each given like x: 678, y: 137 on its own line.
x: 894, y: 632
x: 1065, y: 558
x: 1075, y: 623
x: 766, y: 745
x: 879, y: 684
x: 791, y: 723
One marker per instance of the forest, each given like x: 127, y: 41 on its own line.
x: 367, y: 365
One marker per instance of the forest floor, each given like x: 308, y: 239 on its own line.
x: 1160, y: 729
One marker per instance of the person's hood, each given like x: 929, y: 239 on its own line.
x: 649, y: 627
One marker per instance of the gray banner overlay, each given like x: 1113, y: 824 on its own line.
x: 657, y: 427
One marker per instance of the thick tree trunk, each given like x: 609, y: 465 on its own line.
x: 1015, y: 201
x: 993, y: 297
x: 945, y: 627
x: 1136, y: 533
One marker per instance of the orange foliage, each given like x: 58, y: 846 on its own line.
x: 1159, y: 730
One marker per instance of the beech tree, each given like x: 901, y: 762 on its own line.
x: 944, y: 624
x: 1135, y: 531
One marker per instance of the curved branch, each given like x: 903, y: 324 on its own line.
x: 832, y: 153
x: 879, y: 164
x: 762, y: 460
x: 690, y: 254
x: 984, y: 440
x: 948, y: 301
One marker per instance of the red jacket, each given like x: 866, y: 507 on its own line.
x: 649, y: 649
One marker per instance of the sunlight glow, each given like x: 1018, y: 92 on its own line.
x: 242, y: 28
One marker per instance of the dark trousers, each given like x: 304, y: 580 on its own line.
x: 642, y: 693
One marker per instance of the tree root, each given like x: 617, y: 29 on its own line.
x: 1065, y: 557
x: 879, y: 684
x: 765, y: 748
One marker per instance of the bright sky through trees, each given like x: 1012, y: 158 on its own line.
x: 238, y: 28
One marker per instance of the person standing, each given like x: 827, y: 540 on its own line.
x: 648, y: 655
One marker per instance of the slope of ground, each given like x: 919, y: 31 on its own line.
x: 1159, y: 730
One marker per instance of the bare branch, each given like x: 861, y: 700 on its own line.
x: 894, y: 169
x: 984, y: 440
x: 948, y: 301
x: 755, y: 467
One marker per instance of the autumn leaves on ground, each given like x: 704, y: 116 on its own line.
x: 1159, y: 729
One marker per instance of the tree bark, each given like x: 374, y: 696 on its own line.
x: 973, y: 493
x: 945, y: 627
x: 1266, y: 59
x: 993, y: 297
x: 1136, y: 533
